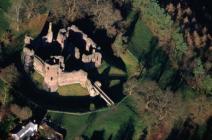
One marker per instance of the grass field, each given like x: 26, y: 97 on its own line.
x: 113, y: 70
x: 140, y: 40
x: 72, y: 90
x: 102, y: 124
x: 130, y: 62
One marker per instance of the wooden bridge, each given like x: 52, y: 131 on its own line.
x: 103, y: 95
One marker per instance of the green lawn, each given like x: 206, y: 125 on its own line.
x: 130, y: 62
x: 72, y: 90
x: 108, y: 122
x: 141, y: 40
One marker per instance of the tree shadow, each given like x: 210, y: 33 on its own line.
x: 144, y: 135
x: 126, y: 130
x: 190, y: 130
x: 97, y: 135
x: 208, y: 133
x: 157, y: 64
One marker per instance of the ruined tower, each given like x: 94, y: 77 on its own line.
x: 49, y: 36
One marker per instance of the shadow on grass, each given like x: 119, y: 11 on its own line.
x: 125, y: 132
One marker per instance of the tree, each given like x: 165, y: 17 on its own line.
x: 131, y: 86
x: 102, y: 12
x: 5, y: 127
x: 160, y: 104
x: 4, y: 93
x: 23, y: 113
x: 187, y: 11
x: 105, y: 16
x: 15, y: 13
x: 206, y: 83
x: 197, y: 40
x: 159, y: 23
x: 4, y: 5
x: 170, y: 8
x: 199, y: 74
x: 189, y: 40
x: 32, y: 8
x: 179, y: 12
x: 76, y: 9
x: 180, y: 45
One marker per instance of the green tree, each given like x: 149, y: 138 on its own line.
x: 5, y: 127
x: 163, y: 27
x: 207, y: 84
x: 180, y: 45
x: 14, y: 14
x: 4, y: 5
x: 4, y: 93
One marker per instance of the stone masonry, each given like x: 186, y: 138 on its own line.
x: 53, y: 69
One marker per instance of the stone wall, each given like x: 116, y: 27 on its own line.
x: 95, y: 57
x: 54, y: 76
x: 39, y: 65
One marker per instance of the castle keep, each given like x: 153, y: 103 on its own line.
x: 52, y: 67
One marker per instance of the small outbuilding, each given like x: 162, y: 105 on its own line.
x: 25, y: 132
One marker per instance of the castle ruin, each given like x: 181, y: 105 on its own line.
x: 53, y: 69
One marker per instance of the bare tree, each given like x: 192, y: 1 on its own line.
x: 22, y: 113
x: 162, y: 105
x: 106, y: 16
x: 197, y: 39
x: 170, y: 8
x: 15, y: 13
x: 131, y: 87
x: 31, y: 8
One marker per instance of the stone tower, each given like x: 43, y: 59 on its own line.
x: 52, y: 72
x: 49, y: 36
